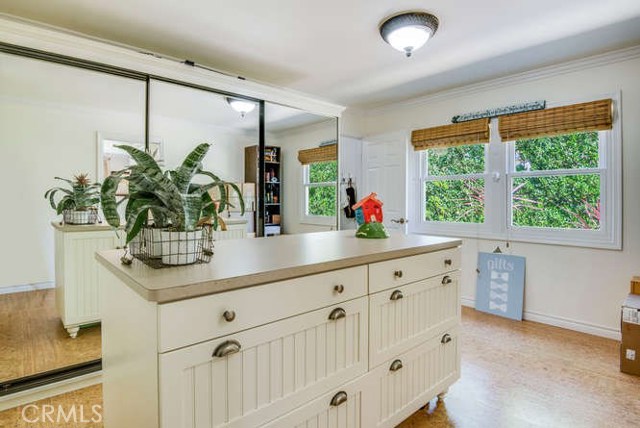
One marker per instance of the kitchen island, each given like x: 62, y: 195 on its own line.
x: 296, y: 330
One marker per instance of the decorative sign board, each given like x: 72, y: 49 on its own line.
x: 500, y: 287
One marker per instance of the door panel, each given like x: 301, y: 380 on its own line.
x: 384, y: 166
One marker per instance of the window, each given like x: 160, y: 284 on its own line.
x: 562, y: 188
x: 454, y: 184
x: 319, y: 180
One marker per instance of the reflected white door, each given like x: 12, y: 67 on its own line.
x: 385, y: 168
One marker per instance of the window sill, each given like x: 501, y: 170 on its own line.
x: 319, y: 220
x: 581, y: 239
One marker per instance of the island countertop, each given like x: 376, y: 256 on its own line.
x: 248, y: 262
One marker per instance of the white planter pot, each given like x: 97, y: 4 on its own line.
x: 180, y: 248
x: 80, y: 217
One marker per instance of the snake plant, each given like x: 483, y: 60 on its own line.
x: 172, y: 198
x: 81, y: 195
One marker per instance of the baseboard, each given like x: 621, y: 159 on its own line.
x: 45, y: 391
x: 27, y: 287
x: 562, y: 322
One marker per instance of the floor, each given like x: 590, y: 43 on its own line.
x: 514, y: 374
x: 33, y: 340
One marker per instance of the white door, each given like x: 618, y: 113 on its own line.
x: 385, y: 173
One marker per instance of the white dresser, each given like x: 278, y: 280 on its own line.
x: 356, y: 334
x: 77, y: 297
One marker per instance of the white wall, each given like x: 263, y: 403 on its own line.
x: 578, y: 288
x: 291, y: 141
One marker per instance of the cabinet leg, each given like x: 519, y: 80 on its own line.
x: 73, y: 331
x: 442, y: 394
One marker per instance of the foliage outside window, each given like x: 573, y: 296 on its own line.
x: 320, y: 189
x: 556, y: 182
x: 454, y: 184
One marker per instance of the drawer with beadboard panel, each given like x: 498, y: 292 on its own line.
x: 254, y: 376
x: 397, y: 272
x: 186, y: 322
x: 403, y: 317
x: 344, y: 407
x: 408, y: 381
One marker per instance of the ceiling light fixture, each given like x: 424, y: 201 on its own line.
x: 408, y: 31
x: 241, y: 106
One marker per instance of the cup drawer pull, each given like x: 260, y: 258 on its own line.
x: 396, y: 295
x: 448, y: 262
x: 339, y: 398
x: 337, y: 313
x: 446, y: 280
x: 338, y: 288
x: 397, y: 274
x: 227, y: 348
x: 446, y: 338
x: 395, y: 366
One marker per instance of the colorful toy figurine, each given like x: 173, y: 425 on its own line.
x: 368, y: 209
x: 369, y: 218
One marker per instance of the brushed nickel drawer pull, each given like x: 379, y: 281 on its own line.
x: 448, y: 262
x: 446, y: 280
x: 446, y: 338
x: 339, y: 398
x: 338, y: 288
x: 395, y: 366
x: 396, y: 295
x: 227, y: 348
x: 337, y: 313
x: 229, y: 316
x: 397, y: 274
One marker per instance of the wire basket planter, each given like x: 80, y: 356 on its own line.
x: 89, y: 216
x: 160, y: 248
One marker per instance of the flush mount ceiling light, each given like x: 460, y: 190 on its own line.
x: 241, y: 106
x: 408, y: 31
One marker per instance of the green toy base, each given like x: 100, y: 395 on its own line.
x: 372, y: 231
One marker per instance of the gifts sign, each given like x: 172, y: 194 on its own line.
x: 500, y: 287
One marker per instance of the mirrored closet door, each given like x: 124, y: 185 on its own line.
x: 55, y: 121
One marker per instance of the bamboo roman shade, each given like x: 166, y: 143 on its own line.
x: 318, y: 154
x: 591, y: 116
x: 457, y: 134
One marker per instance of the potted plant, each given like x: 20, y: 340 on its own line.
x: 169, y: 207
x: 78, y: 204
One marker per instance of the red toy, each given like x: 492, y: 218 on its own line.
x: 369, y: 209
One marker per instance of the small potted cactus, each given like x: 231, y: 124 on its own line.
x: 79, y: 202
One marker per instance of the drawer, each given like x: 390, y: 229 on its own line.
x: 401, y: 318
x: 393, y: 273
x: 279, y: 367
x: 345, y: 407
x: 409, y: 381
x: 196, y: 320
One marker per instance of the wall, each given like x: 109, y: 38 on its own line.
x: 578, y: 288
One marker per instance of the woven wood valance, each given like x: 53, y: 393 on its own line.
x: 457, y: 134
x: 318, y: 154
x: 591, y: 116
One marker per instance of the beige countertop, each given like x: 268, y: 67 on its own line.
x: 247, y: 262
x: 81, y: 227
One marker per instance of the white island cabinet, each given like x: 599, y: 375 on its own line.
x: 314, y: 330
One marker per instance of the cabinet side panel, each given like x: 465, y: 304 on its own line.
x: 129, y: 356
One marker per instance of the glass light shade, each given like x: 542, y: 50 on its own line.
x: 408, y: 39
x: 241, y: 106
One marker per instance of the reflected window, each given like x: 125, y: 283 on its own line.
x: 319, y: 181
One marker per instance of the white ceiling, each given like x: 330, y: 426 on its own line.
x: 331, y: 48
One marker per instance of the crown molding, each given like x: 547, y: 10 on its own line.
x: 607, y: 58
x: 20, y: 33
